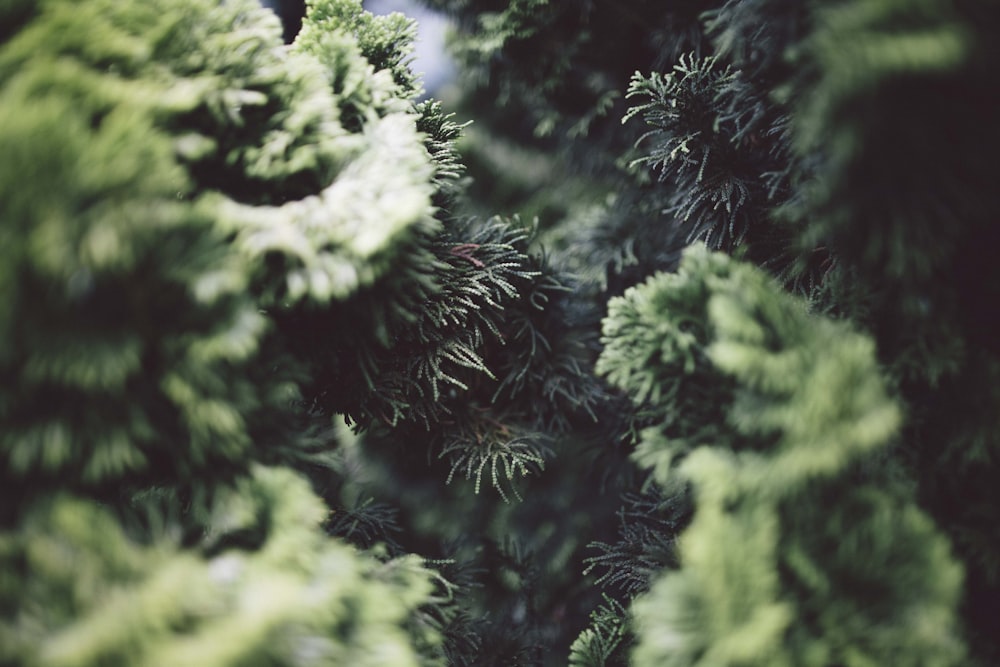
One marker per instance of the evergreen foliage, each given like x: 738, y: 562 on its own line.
x: 265, y: 585
x: 843, y: 147
x: 599, y: 645
x: 141, y: 296
x: 301, y: 368
x: 913, y: 225
x: 687, y: 136
x: 177, y: 184
x: 802, y: 412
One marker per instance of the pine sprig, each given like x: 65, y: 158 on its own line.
x: 502, y: 453
x: 366, y: 523
x: 442, y: 133
x: 478, y: 269
x: 647, y: 544
x: 602, y: 643
x: 697, y: 150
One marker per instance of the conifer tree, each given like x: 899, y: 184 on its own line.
x: 799, y: 551
x: 179, y: 191
x: 840, y: 146
x: 683, y: 352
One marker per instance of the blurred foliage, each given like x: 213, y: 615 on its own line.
x: 271, y: 326
x: 263, y: 586
x: 178, y: 185
x: 798, y: 552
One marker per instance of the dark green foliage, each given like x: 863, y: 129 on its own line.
x: 247, y: 241
x: 902, y: 193
x: 270, y: 327
x: 442, y: 133
x: 689, y: 143
x: 769, y: 124
x: 474, y: 273
x: 719, y: 133
x: 516, y: 69
x: 550, y: 60
x: 647, y: 541
x: 919, y: 74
